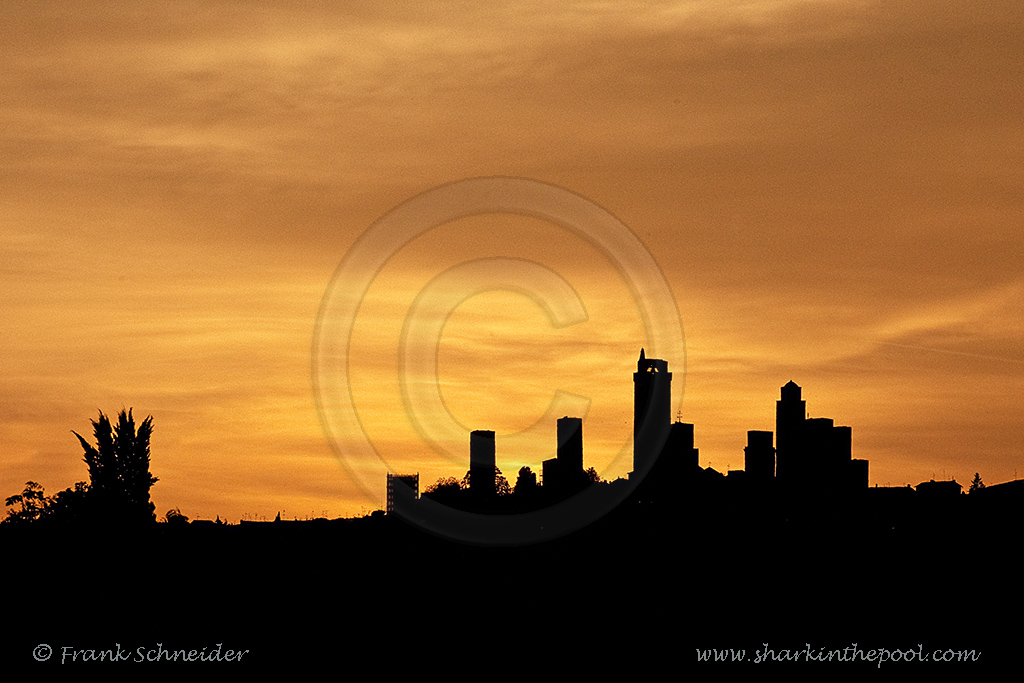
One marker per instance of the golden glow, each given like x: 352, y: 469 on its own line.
x: 832, y: 189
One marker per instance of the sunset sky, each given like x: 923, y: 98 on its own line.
x: 833, y: 191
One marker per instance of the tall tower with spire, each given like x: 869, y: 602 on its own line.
x: 652, y: 411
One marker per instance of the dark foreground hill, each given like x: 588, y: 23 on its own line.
x: 631, y: 591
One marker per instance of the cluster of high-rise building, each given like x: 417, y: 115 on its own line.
x: 807, y: 453
x: 812, y: 451
x: 562, y: 474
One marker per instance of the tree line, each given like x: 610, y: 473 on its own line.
x: 119, y: 480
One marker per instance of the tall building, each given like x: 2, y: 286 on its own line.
x: 820, y: 444
x: 813, y: 453
x: 652, y: 411
x: 570, y: 447
x: 790, y: 413
x: 563, y: 475
x: 482, y: 465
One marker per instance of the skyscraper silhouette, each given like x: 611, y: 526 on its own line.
x: 563, y: 475
x: 813, y: 454
x: 570, y: 447
x: 482, y: 465
x: 790, y: 413
x: 652, y: 411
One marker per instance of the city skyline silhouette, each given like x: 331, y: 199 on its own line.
x: 816, y: 471
x: 806, y: 554
x: 323, y: 244
x: 812, y: 459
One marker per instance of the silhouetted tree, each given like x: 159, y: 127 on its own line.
x: 526, y: 482
x: 119, y: 478
x: 501, y: 483
x: 444, y: 484
x: 31, y: 502
x: 447, y: 491
x: 527, y: 494
x: 591, y: 476
x: 501, y: 486
x: 176, y: 518
x: 977, y: 484
x: 69, y: 505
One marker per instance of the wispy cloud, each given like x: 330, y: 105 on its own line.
x: 832, y: 190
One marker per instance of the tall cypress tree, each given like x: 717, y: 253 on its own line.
x: 119, y: 468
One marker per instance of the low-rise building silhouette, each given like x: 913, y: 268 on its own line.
x: 939, y: 490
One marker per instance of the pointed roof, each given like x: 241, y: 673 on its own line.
x: 641, y: 353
